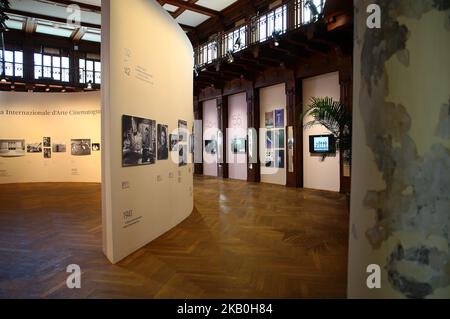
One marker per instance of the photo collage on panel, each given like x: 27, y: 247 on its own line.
x: 275, y: 139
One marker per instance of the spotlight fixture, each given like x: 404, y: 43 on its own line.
x: 237, y: 44
x: 230, y: 57
x: 276, y: 37
x: 196, y: 70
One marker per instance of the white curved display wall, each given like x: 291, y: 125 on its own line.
x: 148, y: 63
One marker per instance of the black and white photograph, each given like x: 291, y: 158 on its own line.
x: 269, y: 159
x: 96, y: 147
x: 47, y: 153
x: 34, y: 148
x: 59, y: 148
x: 238, y: 146
x: 183, y: 153
x: 279, y: 159
x: 182, y: 131
x: 12, y: 148
x: 80, y: 147
x: 211, y: 147
x: 173, y: 142
x: 138, y: 141
x: 47, y: 141
x: 163, y: 147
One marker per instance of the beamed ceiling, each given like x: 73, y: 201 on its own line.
x: 50, y: 16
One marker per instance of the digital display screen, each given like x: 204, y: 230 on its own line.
x: 322, y: 144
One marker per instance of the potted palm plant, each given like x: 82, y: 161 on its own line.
x: 335, y: 117
x: 4, y: 5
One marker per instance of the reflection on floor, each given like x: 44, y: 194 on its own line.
x: 243, y: 240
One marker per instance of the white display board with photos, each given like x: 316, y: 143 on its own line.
x: 46, y: 137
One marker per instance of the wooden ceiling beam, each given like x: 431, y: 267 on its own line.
x: 194, y: 7
x: 177, y: 13
x: 78, y: 34
x: 30, y: 25
x: 49, y: 18
x: 187, y: 28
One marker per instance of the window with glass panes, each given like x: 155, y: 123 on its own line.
x: 90, y: 71
x: 11, y: 65
x: 51, y: 67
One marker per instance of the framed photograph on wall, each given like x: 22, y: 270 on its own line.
x: 12, y: 148
x: 47, y: 141
x: 238, y: 146
x: 138, y: 141
x: 59, y: 148
x: 279, y: 138
x: 211, y: 147
x: 279, y: 118
x: 183, y: 154
x: 163, y: 147
x: 47, y: 153
x: 269, y: 159
x: 173, y: 142
x: 34, y: 148
x: 182, y: 131
x: 80, y: 147
x: 96, y: 147
x: 269, y: 139
x: 279, y: 159
x: 269, y: 119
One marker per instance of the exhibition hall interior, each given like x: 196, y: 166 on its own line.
x: 223, y: 149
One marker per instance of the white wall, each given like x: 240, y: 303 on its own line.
x: 147, y: 72
x: 210, y: 127
x: 272, y: 98
x: 237, y: 128
x: 318, y: 174
x: 62, y: 122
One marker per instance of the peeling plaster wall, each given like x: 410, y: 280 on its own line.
x: 400, y: 208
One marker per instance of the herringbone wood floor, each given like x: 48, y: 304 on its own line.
x: 242, y: 241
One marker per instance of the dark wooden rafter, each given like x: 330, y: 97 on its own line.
x: 194, y: 7
x: 49, y: 18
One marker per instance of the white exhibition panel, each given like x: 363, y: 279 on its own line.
x: 147, y: 73
x: 319, y: 174
x: 210, y: 129
x: 271, y: 98
x: 237, y: 129
x: 61, y: 116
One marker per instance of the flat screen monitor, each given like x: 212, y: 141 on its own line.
x: 322, y: 144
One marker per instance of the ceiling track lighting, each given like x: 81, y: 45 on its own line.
x: 196, y: 70
x: 276, y: 35
x: 230, y: 57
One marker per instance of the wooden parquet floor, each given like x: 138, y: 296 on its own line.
x: 242, y: 241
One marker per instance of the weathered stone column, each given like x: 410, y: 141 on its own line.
x: 400, y: 201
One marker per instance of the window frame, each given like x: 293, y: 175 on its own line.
x: 52, y: 56
x: 14, y: 64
